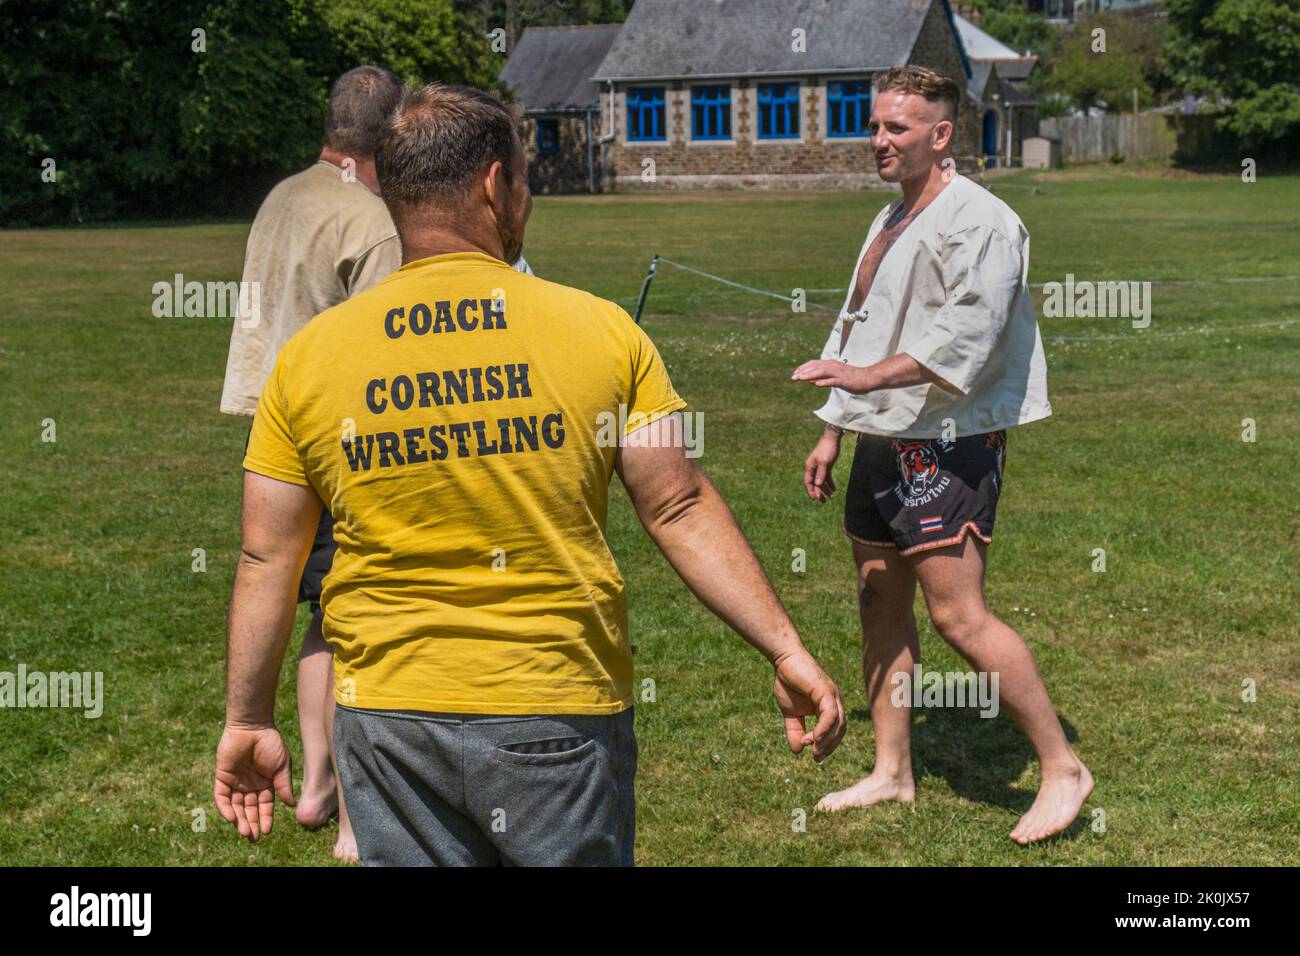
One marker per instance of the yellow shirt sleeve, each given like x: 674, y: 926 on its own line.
x: 271, y: 451
x: 653, y: 395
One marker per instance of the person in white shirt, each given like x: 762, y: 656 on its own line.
x: 935, y: 354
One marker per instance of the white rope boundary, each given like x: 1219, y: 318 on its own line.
x: 733, y: 284
x: 750, y: 288
x: 1137, y: 335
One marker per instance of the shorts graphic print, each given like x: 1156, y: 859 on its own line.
x: 917, y: 494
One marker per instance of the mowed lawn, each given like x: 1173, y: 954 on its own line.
x: 1144, y: 458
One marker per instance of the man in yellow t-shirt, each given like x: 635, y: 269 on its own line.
x: 456, y: 421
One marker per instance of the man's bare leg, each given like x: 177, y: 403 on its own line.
x: 952, y: 580
x: 319, y: 797
x: 886, y: 592
x: 345, y: 847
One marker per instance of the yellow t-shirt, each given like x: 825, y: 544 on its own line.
x: 460, y: 421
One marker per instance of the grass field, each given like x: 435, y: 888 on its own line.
x: 1143, y: 457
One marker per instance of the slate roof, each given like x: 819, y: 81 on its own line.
x: 1017, y: 69
x: 1012, y: 95
x: 979, y: 78
x: 673, y: 39
x: 984, y: 72
x: 550, y: 68
x: 979, y: 45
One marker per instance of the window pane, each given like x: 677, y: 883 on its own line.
x: 711, y: 112
x: 645, y: 113
x: 848, y: 107
x: 778, y: 110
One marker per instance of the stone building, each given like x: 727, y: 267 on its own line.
x: 743, y: 93
x: 549, y: 72
x: 764, y: 93
x: 1007, y: 113
x: 1007, y: 116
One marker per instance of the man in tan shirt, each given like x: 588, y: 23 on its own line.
x: 320, y: 237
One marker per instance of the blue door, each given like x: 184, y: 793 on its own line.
x: 991, y: 138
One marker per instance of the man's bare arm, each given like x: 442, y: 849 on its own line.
x: 897, y: 371
x: 279, y: 524
x: 691, y: 524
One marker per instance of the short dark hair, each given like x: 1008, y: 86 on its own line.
x: 935, y: 87
x: 438, y: 139
x: 361, y: 102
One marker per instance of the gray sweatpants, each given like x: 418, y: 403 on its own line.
x: 467, y: 790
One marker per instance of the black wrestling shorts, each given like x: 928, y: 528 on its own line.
x: 318, y: 562
x: 916, y: 494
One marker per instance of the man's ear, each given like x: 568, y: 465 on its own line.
x: 943, y: 131
x: 497, y: 187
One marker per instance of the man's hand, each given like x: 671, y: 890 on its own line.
x: 252, y: 767
x: 252, y: 762
x: 803, y: 689
x: 832, y: 373
x: 817, y: 478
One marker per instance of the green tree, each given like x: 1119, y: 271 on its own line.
x: 514, y: 15
x: 258, y: 99
x: 94, y: 88
x: 153, y: 108
x: 1102, y: 60
x: 1246, y: 53
x: 422, y: 41
x: 1018, y: 28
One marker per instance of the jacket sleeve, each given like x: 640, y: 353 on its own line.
x: 982, y: 271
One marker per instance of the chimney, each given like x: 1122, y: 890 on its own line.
x: 975, y: 16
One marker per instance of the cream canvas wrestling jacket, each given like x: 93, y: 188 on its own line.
x: 952, y: 292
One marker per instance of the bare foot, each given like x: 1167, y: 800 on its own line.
x: 317, y: 804
x: 876, y: 788
x: 1056, y: 806
x: 346, y: 847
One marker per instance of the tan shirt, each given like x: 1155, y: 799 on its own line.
x: 317, y: 240
x: 952, y: 292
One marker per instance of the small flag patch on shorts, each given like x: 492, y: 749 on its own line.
x: 932, y: 524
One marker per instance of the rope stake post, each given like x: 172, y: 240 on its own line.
x: 645, y: 288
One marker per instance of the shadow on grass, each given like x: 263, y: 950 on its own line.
x: 980, y: 758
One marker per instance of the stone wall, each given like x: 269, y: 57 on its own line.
x: 564, y: 171
x: 811, y: 161
x: 936, y: 48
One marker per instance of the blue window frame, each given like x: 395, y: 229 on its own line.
x: 778, y: 111
x: 848, y: 107
x: 711, y: 112
x: 548, y: 136
x: 645, y: 114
